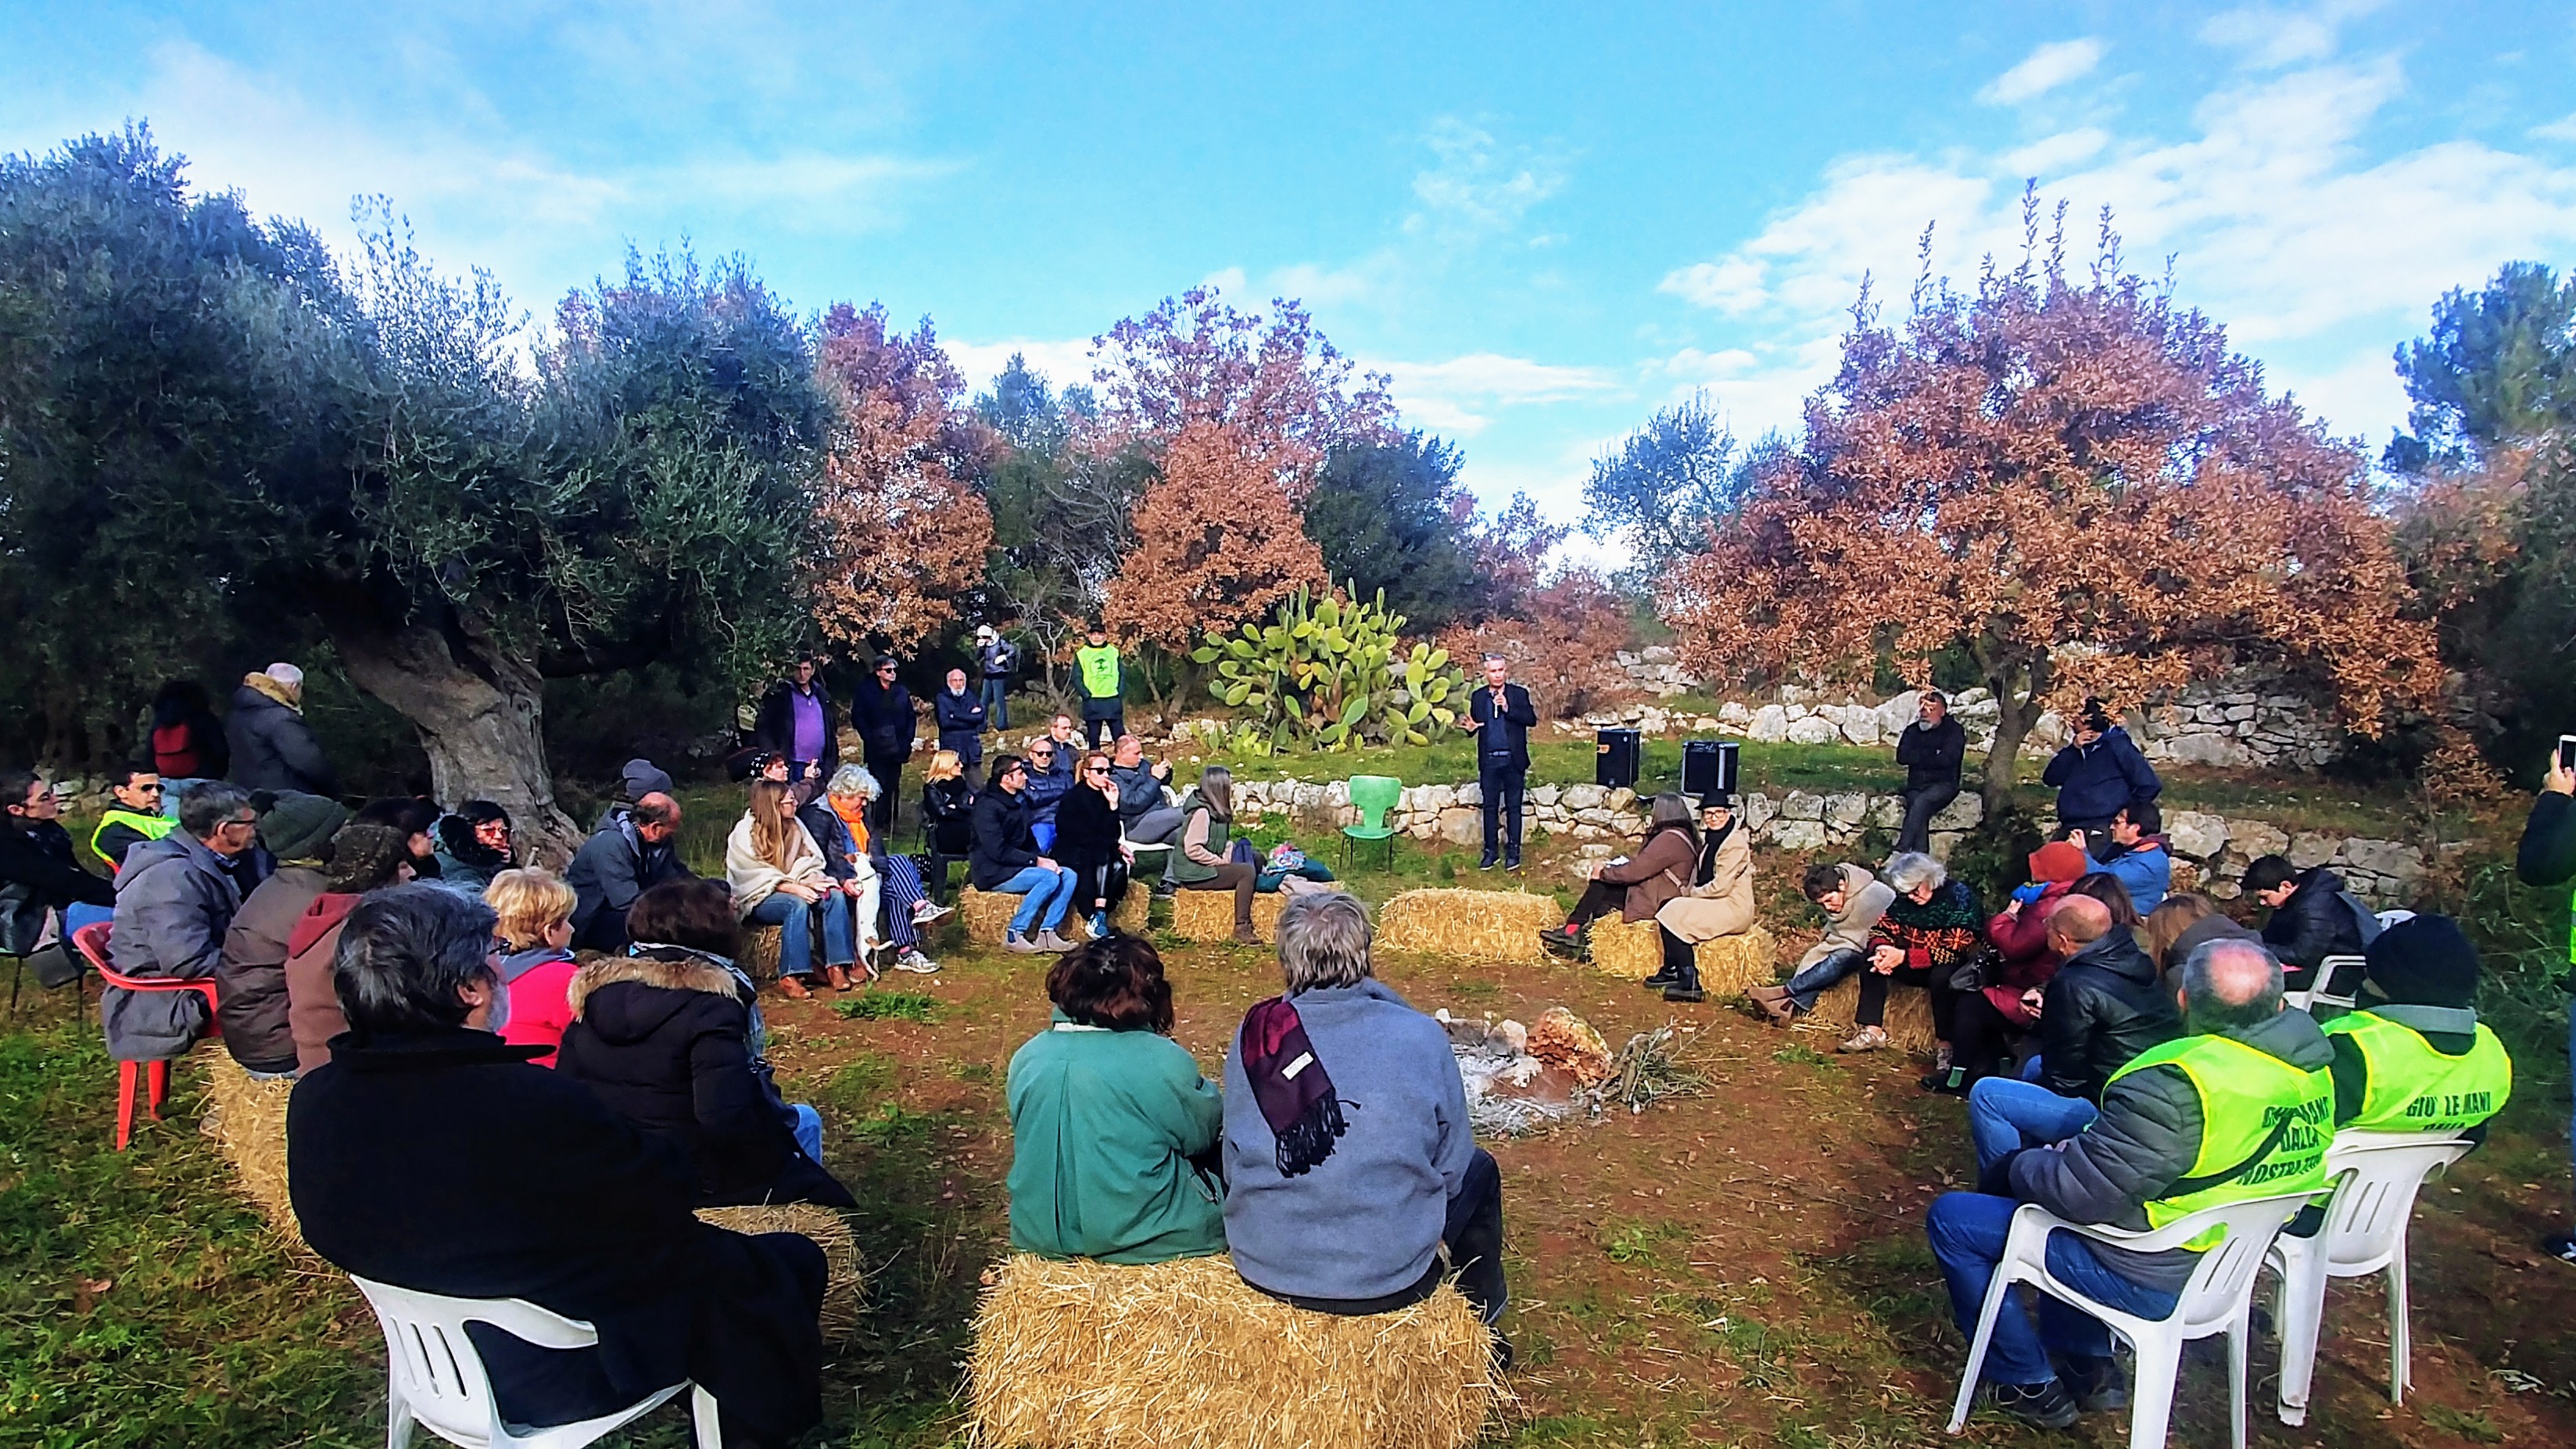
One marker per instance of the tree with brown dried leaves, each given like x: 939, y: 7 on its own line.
x: 2077, y: 482
x: 899, y: 536
x: 1563, y: 641
x: 1217, y: 544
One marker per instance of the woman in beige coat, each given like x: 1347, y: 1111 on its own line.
x: 1718, y: 903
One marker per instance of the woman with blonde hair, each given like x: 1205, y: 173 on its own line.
x: 779, y: 878
x: 535, y: 925
x: 947, y: 818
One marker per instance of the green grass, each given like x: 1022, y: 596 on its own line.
x: 880, y: 1004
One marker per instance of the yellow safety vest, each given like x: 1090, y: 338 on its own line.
x: 2264, y: 1126
x: 150, y: 827
x: 2414, y: 1088
x: 1099, y: 671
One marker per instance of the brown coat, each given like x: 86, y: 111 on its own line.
x: 1722, y: 907
x: 1660, y: 870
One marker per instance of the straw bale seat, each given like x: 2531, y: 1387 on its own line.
x: 1909, y: 1013
x: 987, y: 915
x: 1209, y: 915
x: 247, y: 1118
x: 1471, y: 925
x: 1182, y: 1355
x: 844, y: 1276
x: 1727, y: 965
x: 760, y: 947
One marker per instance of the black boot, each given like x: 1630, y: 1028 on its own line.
x: 1664, y: 976
x: 1687, y: 988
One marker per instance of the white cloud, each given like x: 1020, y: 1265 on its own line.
x: 2268, y: 37
x: 2045, y: 69
x: 2319, y: 256
x: 2055, y: 153
x: 1480, y: 185
x: 1063, y: 362
x: 2562, y: 129
x: 1457, y: 396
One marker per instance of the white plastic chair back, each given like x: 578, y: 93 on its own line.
x: 2376, y: 1177
x: 2394, y: 917
x: 437, y: 1380
x: 2322, y: 993
x: 2217, y: 1299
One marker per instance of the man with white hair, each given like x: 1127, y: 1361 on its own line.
x: 1345, y: 1211
x: 272, y: 747
x: 2240, y: 1107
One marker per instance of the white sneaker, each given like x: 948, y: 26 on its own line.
x: 916, y: 963
x: 926, y: 911
x: 1014, y: 941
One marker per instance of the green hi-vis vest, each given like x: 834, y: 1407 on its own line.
x: 2414, y: 1088
x: 1099, y: 671
x: 2264, y: 1126
x: 150, y: 827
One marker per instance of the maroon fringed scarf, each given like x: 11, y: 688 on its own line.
x: 1290, y: 1083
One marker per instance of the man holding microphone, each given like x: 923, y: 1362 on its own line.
x: 1501, y: 717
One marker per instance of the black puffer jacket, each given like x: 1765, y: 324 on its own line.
x: 2104, y: 1006
x: 39, y: 873
x: 948, y: 816
x: 2144, y: 1142
x: 1003, y: 845
x: 665, y: 1039
x: 273, y: 748
x: 2318, y: 920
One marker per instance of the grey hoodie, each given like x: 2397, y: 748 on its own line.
x: 1865, y: 899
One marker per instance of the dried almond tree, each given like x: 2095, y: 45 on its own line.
x: 2077, y: 482
x: 899, y: 536
x: 1217, y: 544
x: 1563, y: 641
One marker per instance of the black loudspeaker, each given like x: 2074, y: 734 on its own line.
x: 1708, y: 768
x: 1614, y: 763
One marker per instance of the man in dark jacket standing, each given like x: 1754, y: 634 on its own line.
x: 272, y: 747
x: 1501, y: 717
x: 1931, y: 750
x: 2547, y: 857
x: 796, y: 725
x: 628, y: 856
x: 38, y: 874
x: 960, y: 717
x: 2100, y: 774
x: 2102, y: 1008
x: 881, y: 711
x: 175, y: 900
x: 429, y: 1154
x: 2248, y: 1088
x: 2313, y: 917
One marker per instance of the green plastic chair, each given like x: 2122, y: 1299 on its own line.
x: 1374, y: 796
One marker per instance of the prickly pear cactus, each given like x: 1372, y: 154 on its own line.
x: 1331, y: 674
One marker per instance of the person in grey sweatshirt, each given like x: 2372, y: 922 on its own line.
x: 1349, y: 1157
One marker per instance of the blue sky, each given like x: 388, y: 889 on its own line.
x: 1544, y: 221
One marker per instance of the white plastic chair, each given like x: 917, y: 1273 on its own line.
x: 2348, y: 966
x: 437, y: 1380
x: 2219, y: 1298
x: 2390, y: 918
x: 2376, y: 1176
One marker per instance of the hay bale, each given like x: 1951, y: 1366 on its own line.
x: 844, y: 1277
x: 760, y: 949
x: 1080, y: 1355
x: 1209, y: 915
x: 1473, y: 925
x: 1727, y: 965
x: 249, y: 1114
x: 986, y: 915
x: 1909, y: 1013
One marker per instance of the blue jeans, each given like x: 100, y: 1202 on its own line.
x: 795, y: 920
x: 1808, y: 985
x: 808, y: 1129
x: 1043, y: 832
x: 1967, y: 1230
x: 2006, y: 1115
x: 997, y: 701
x: 1045, y: 895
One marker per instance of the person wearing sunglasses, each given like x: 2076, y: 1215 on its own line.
x: 38, y: 875
x: 1088, y: 843
x: 133, y: 815
x: 1051, y: 774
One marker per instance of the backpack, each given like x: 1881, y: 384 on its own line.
x: 174, y: 751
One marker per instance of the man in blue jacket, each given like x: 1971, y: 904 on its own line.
x: 1501, y: 717
x: 2100, y: 774
x: 2134, y: 854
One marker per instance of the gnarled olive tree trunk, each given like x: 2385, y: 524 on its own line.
x: 2018, y: 682
x: 480, y: 711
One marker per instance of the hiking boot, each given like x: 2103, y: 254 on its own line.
x: 2096, y: 1385
x: 1014, y: 941
x: 1511, y: 862
x: 2046, y: 1405
x: 1488, y: 863
x: 1664, y: 976
x: 1779, y: 1010
x: 1565, y: 940
x: 1867, y: 1039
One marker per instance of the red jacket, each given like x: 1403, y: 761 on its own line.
x: 2022, y: 940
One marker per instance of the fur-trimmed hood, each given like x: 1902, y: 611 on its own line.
x: 671, y: 985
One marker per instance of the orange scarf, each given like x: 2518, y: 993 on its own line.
x: 856, y: 818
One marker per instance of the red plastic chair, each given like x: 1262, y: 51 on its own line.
x: 91, y: 942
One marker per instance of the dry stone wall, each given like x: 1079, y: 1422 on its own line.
x: 2244, y: 721
x: 2210, y: 851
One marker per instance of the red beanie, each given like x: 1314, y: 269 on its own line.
x: 2060, y: 862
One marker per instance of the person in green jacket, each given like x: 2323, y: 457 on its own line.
x: 1103, y: 684
x: 1107, y: 1115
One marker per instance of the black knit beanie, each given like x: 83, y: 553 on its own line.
x: 2426, y: 961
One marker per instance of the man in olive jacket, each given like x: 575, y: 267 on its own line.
x: 2141, y: 1150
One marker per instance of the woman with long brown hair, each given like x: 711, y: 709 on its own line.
x: 779, y: 879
